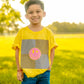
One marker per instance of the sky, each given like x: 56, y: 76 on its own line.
x: 56, y: 10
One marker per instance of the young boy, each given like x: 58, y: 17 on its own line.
x: 34, y: 46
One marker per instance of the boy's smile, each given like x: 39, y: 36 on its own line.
x: 35, y: 14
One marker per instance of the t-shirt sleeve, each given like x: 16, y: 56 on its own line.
x: 17, y: 41
x: 53, y: 43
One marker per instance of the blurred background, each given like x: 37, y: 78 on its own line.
x: 66, y: 19
x: 63, y: 16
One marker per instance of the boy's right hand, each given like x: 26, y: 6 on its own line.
x: 20, y: 75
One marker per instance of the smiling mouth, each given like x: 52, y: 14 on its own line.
x: 35, y: 19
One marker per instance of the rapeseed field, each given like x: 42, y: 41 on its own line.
x: 68, y: 65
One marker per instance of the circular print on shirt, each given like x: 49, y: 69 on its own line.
x: 34, y: 54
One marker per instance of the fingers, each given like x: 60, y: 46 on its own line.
x: 20, y: 76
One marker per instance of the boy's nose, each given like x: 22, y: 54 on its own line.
x: 34, y: 14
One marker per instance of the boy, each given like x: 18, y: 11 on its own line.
x: 34, y: 46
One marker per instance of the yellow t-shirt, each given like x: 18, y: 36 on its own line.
x: 35, y: 47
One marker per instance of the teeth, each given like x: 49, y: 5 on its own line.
x: 34, y: 19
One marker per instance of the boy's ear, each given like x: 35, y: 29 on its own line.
x: 44, y: 14
x: 26, y: 16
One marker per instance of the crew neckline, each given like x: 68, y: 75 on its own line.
x: 35, y: 31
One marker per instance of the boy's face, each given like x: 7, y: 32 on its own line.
x: 35, y: 14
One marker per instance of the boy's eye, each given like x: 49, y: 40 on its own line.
x: 30, y: 12
x: 37, y: 11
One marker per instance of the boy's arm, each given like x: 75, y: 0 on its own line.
x: 17, y: 58
x: 52, y: 53
x: 20, y: 75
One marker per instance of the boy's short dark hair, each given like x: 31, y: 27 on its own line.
x: 31, y: 2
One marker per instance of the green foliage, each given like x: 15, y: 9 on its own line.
x: 23, y: 1
x: 8, y: 16
x: 1, y: 30
x: 66, y: 27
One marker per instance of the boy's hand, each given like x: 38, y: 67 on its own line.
x: 20, y: 75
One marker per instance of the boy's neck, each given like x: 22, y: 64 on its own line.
x: 35, y: 27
